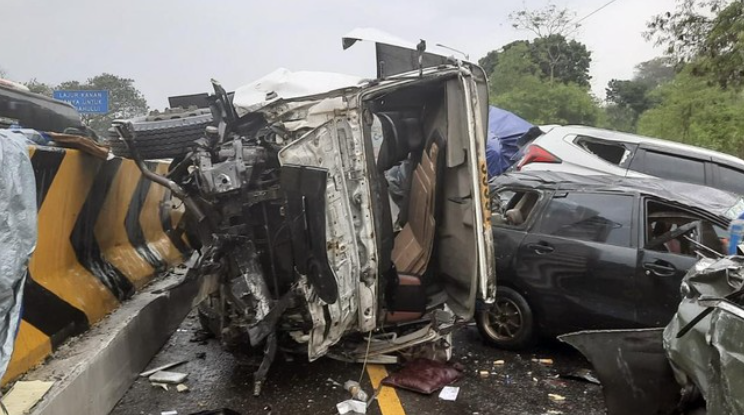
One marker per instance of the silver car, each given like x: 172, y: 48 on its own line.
x: 588, y: 150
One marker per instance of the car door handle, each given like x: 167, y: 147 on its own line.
x: 541, y: 249
x: 660, y: 270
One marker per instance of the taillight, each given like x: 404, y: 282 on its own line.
x: 537, y: 154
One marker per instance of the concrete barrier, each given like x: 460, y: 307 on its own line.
x: 104, y: 232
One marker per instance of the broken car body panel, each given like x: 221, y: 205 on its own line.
x: 650, y: 371
x: 703, y: 340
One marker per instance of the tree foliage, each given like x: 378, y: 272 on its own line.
x: 517, y: 85
x: 552, y: 58
x: 706, y: 34
x: 545, y: 22
x: 562, y: 60
x: 40, y: 87
x: 697, y: 112
x: 628, y: 99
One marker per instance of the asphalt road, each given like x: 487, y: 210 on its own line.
x: 217, y: 380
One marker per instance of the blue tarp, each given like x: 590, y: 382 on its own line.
x: 504, y: 128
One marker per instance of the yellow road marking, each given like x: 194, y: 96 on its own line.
x: 387, y: 398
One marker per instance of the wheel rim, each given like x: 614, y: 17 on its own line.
x: 504, y: 319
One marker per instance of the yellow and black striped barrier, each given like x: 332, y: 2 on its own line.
x: 104, y: 232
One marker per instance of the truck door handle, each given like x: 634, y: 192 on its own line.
x: 541, y: 248
x: 660, y: 270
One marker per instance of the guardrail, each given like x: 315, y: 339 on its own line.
x: 104, y: 232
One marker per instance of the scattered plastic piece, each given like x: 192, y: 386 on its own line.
x: 498, y: 362
x: 168, y: 377
x: 159, y: 385
x: 483, y: 374
x: 449, y: 393
x: 556, y: 398
x: 24, y: 395
x: 355, y: 389
x: 182, y: 388
x: 546, y: 362
x: 351, y: 406
x: 169, y: 413
x: 161, y: 368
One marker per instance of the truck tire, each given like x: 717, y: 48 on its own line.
x: 163, y: 135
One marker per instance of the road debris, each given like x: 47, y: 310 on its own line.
x: 159, y: 385
x: 424, y: 376
x: 356, y: 390
x: 168, y: 377
x: 351, y: 406
x: 556, y: 398
x: 180, y: 388
x: 583, y: 375
x: 24, y: 395
x: 483, y: 374
x: 163, y: 367
x: 498, y: 363
x: 449, y: 393
x: 169, y: 413
x: 544, y: 362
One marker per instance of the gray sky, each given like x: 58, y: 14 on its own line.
x: 174, y: 47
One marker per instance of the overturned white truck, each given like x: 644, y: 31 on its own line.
x: 288, y: 198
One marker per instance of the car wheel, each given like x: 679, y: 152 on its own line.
x: 508, y: 323
x: 163, y: 135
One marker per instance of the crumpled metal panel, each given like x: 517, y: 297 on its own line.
x: 18, y: 230
x: 711, y: 354
x: 283, y: 84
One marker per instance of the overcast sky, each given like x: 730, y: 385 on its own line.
x: 174, y: 47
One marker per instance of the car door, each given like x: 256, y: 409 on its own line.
x: 578, y: 264
x: 678, y: 167
x: 663, y: 262
x: 514, y: 212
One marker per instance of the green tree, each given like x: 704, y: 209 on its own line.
x: 707, y: 35
x: 125, y: 101
x: 695, y: 111
x: 545, y: 22
x: 628, y: 99
x: 562, y: 60
x: 615, y: 117
x: 655, y: 72
x: 39, y: 87
x: 552, y: 58
x: 512, y: 67
x: 519, y: 85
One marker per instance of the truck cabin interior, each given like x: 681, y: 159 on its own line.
x: 424, y: 195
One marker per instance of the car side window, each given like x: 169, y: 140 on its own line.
x: 514, y: 207
x: 730, y: 179
x: 613, y: 153
x: 674, y: 230
x: 674, y: 167
x: 595, y: 217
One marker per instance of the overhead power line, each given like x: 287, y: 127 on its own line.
x: 594, y: 12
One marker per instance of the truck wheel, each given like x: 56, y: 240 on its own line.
x: 163, y: 135
x: 508, y: 323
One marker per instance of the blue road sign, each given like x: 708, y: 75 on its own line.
x: 86, y: 102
